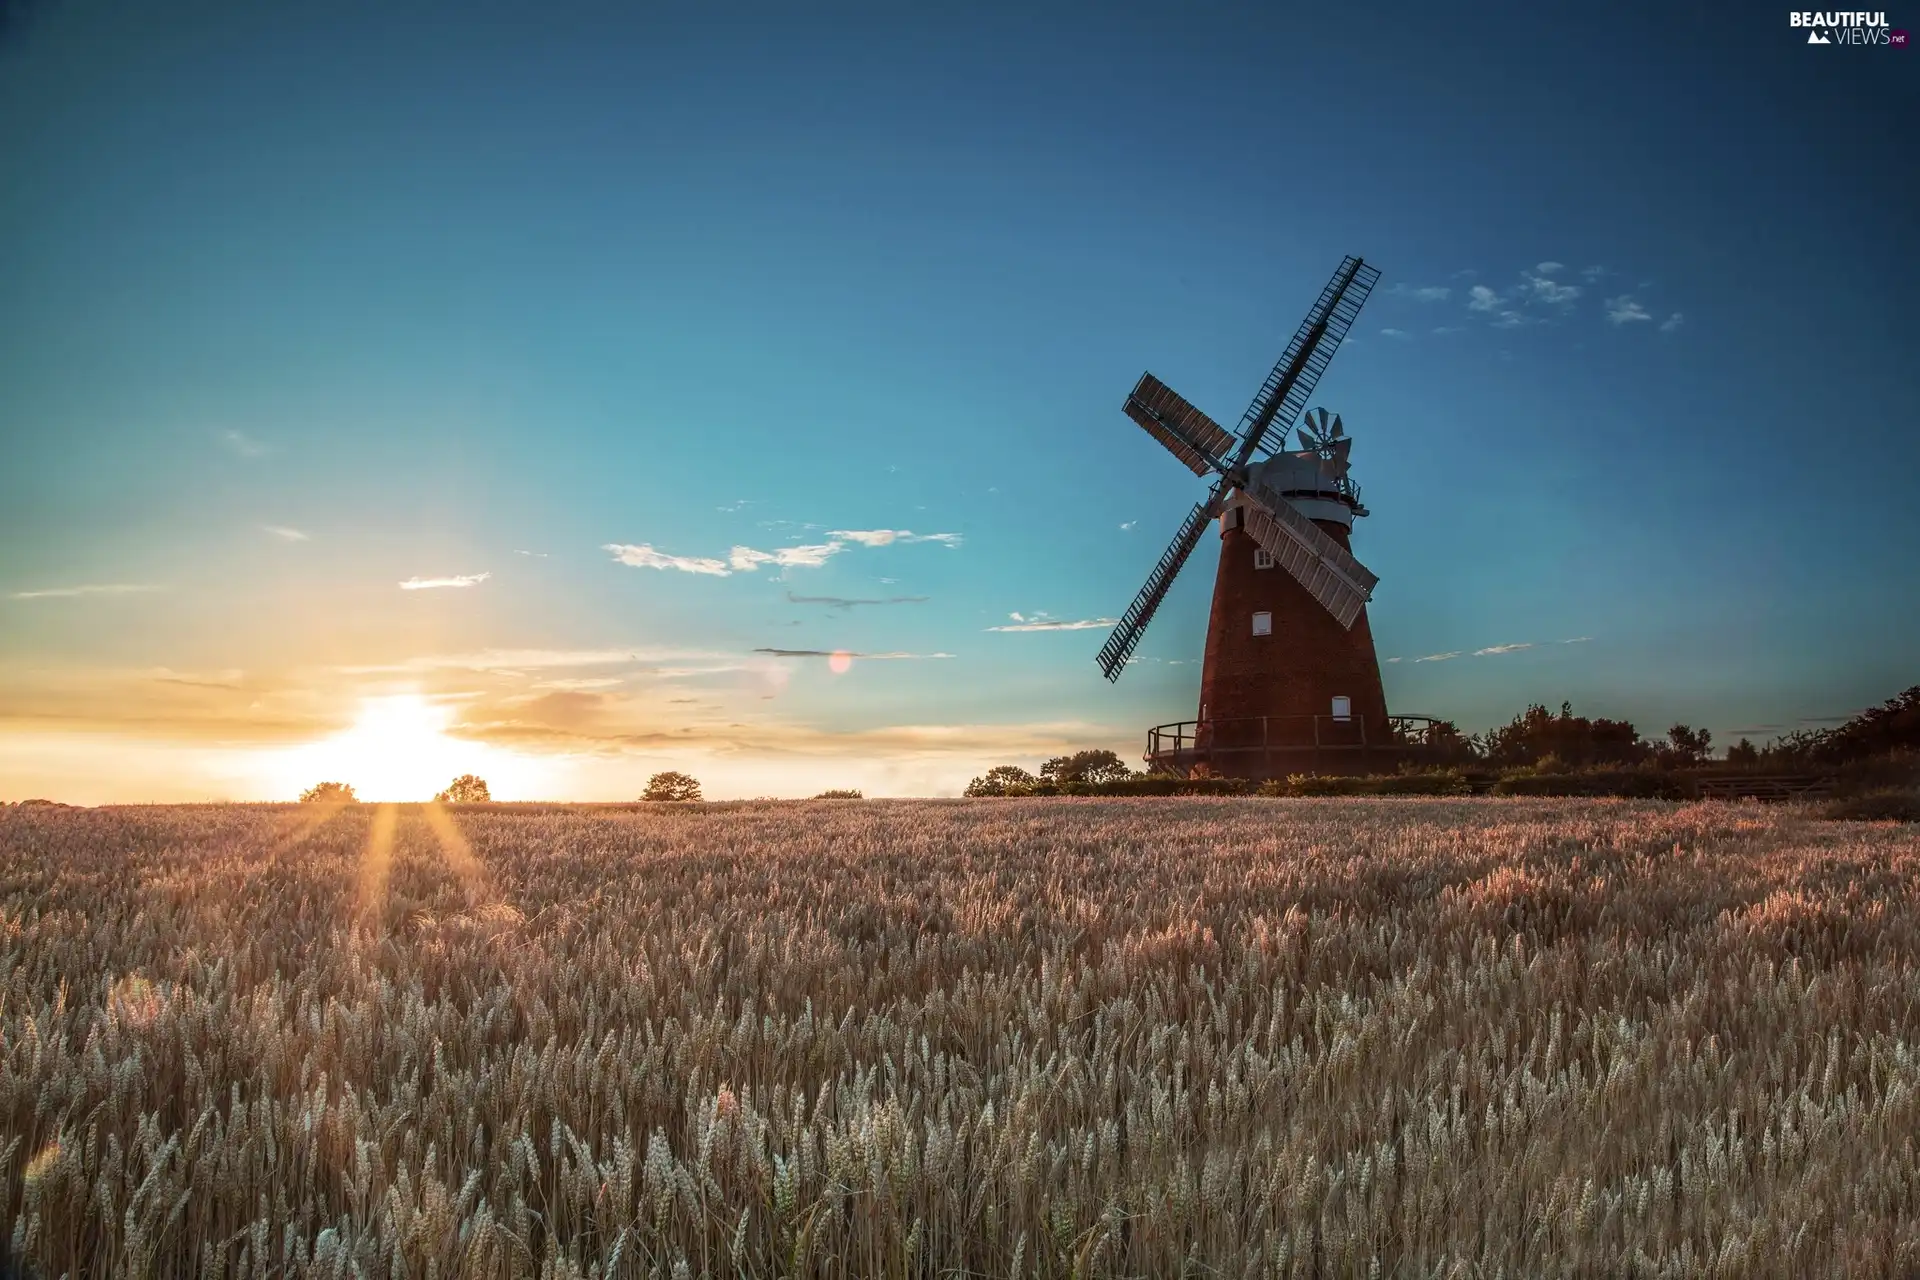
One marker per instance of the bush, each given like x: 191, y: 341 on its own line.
x: 839, y: 795
x: 468, y: 788
x: 1897, y: 771
x: 1877, y: 806
x: 672, y: 785
x: 1632, y: 784
x: 1439, y: 782
x: 328, y: 793
x: 1743, y: 754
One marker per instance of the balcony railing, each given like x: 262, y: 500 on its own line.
x: 1274, y: 746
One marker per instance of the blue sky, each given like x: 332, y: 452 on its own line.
x: 302, y: 304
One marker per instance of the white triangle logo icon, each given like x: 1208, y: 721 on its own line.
x: 1814, y: 37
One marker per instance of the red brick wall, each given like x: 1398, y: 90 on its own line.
x: 1295, y: 671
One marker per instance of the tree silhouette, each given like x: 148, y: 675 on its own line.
x: 672, y: 785
x: 1086, y: 766
x: 468, y: 788
x: 328, y: 793
x: 1002, y: 779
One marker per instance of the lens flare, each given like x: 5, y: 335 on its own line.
x: 840, y: 662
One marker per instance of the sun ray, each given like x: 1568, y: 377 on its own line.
x: 377, y: 864
x: 456, y: 850
x: 301, y: 825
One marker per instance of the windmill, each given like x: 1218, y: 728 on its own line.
x: 1289, y: 660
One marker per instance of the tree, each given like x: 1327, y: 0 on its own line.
x: 1001, y: 780
x: 328, y: 793
x: 672, y: 785
x: 1086, y: 766
x: 1537, y: 732
x: 1687, y: 745
x: 1743, y: 753
x: 468, y: 788
x: 839, y: 795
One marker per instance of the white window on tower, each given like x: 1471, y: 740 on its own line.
x: 1343, y: 708
x: 1262, y: 558
x: 1263, y: 624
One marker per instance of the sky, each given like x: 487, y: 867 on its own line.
x: 549, y: 390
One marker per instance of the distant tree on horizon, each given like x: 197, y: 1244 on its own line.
x: 328, y: 793
x: 1002, y: 779
x: 672, y: 785
x: 1086, y: 766
x: 1574, y: 740
x: 847, y: 794
x: 468, y: 788
x: 1686, y: 745
x: 1743, y: 753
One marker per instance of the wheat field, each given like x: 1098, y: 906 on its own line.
x: 1050, y: 1037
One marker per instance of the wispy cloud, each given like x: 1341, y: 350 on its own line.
x: 538, y: 555
x: 1440, y: 657
x: 1396, y: 333
x: 1041, y: 622
x: 1671, y: 323
x: 1591, y: 274
x: 286, y: 533
x: 1494, y: 649
x: 1550, y: 268
x: 1541, y: 287
x: 1624, y: 310
x: 1128, y: 525
x: 1481, y: 298
x: 643, y: 556
x: 845, y: 602
x: 833, y: 653
x: 1428, y: 293
x: 515, y: 660
x: 91, y: 589
x: 1447, y: 328
x: 886, y: 537
x: 245, y: 445
x: 743, y: 559
x: 456, y: 580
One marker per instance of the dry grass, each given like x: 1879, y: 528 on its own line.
x: 1053, y: 1037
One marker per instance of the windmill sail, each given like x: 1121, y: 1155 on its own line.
x: 1133, y: 623
x: 1325, y: 568
x: 1298, y: 371
x: 1189, y: 435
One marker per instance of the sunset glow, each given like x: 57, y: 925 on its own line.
x: 399, y: 749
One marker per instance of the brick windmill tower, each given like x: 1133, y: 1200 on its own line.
x: 1290, y: 682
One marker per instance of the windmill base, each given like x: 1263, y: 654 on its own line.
x: 1261, y: 748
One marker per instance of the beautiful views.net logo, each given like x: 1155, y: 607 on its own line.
x: 1848, y: 28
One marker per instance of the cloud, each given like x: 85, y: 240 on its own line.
x: 843, y: 602
x: 1128, y: 525
x: 1541, y: 288
x: 1392, y: 659
x: 570, y: 684
x: 92, y: 589
x: 1447, y: 328
x: 1041, y: 622
x: 1439, y: 657
x: 1481, y: 298
x: 1513, y: 320
x: 284, y: 532
x: 1549, y: 268
x: 1430, y: 293
x: 456, y: 580
x: 1671, y: 323
x: 1575, y: 640
x: 830, y: 653
x: 1464, y: 274
x: 244, y: 445
x: 1396, y: 333
x: 886, y: 537
x: 644, y: 556
x: 538, y: 555
x: 747, y: 559
x: 505, y: 660
x: 1624, y: 310
x: 1590, y: 274
x: 1493, y: 649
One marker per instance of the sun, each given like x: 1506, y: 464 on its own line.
x: 398, y: 749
